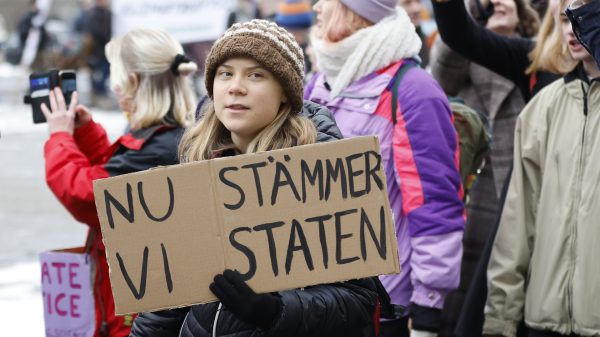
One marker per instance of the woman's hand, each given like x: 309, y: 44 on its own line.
x: 260, y: 310
x: 82, y: 115
x: 59, y: 117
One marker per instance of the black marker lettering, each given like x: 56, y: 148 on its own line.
x: 112, y: 200
x: 322, y: 237
x: 332, y: 174
x: 339, y: 237
x: 279, y: 169
x: 373, y: 172
x: 168, y: 277
x: 379, y: 244
x: 145, y: 206
x: 234, y: 186
x: 254, y: 168
x: 268, y: 227
x: 134, y: 291
x: 245, y: 250
x: 314, y: 177
x: 297, y: 229
x: 352, y: 174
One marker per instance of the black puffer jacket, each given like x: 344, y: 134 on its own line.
x: 327, y: 129
x: 340, y: 309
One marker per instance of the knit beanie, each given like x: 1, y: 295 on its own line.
x: 269, y: 45
x: 294, y: 14
x: 372, y: 10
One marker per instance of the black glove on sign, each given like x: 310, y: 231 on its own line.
x: 257, y: 309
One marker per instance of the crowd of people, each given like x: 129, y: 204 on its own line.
x: 515, y: 256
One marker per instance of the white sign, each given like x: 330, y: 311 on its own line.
x: 67, y: 294
x: 187, y: 20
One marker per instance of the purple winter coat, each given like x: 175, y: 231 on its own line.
x: 420, y: 157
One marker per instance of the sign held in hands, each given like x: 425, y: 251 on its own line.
x: 284, y: 219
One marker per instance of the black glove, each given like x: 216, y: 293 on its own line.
x: 260, y: 310
x: 425, y: 319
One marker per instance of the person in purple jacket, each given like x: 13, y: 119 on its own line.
x: 360, y: 45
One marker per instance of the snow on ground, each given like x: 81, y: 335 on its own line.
x: 21, y: 301
x: 25, y: 231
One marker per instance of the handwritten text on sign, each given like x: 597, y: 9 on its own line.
x: 67, y: 294
x: 285, y: 219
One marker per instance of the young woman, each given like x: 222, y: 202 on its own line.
x: 544, y: 263
x: 149, y: 77
x: 360, y: 46
x: 254, y: 76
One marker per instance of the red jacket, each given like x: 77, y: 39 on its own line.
x: 74, y: 162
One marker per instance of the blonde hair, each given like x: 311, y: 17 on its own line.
x: 551, y: 52
x: 343, y: 23
x: 158, y: 95
x: 209, y: 138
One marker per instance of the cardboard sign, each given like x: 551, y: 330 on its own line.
x: 284, y: 219
x: 67, y: 293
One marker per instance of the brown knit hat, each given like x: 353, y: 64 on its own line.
x: 268, y: 44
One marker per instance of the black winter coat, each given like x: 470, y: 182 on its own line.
x: 341, y: 309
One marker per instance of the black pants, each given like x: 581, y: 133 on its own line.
x: 395, y: 328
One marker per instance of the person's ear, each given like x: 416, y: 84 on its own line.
x: 134, y: 82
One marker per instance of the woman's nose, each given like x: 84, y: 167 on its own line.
x: 237, y: 86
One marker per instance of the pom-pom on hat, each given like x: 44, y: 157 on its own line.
x: 294, y: 14
x: 372, y: 10
x: 269, y: 45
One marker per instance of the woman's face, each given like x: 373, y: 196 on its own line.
x: 413, y: 8
x: 505, y: 18
x: 247, y: 97
x: 323, y: 10
x: 576, y: 50
x: 125, y: 100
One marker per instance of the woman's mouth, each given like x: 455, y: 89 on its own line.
x: 575, y: 45
x: 237, y: 107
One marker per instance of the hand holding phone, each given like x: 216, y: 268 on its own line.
x: 82, y: 115
x: 42, y: 84
x: 60, y: 117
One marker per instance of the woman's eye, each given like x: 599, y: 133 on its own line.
x: 256, y: 75
x: 225, y: 74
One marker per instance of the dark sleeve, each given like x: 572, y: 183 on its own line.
x: 507, y: 56
x: 327, y: 129
x: 340, y: 309
x: 166, y: 323
x: 160, y: 150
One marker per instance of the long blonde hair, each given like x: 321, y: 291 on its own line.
x: 551, y: 52
x: 209, y: 138
x: 158, y: 95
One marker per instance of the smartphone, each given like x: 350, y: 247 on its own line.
x: 40, y: 85
x: 68, y: 84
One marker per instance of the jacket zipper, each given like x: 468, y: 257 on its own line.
x: 576, y: 209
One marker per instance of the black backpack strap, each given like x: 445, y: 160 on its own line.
x: 404, y: 68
